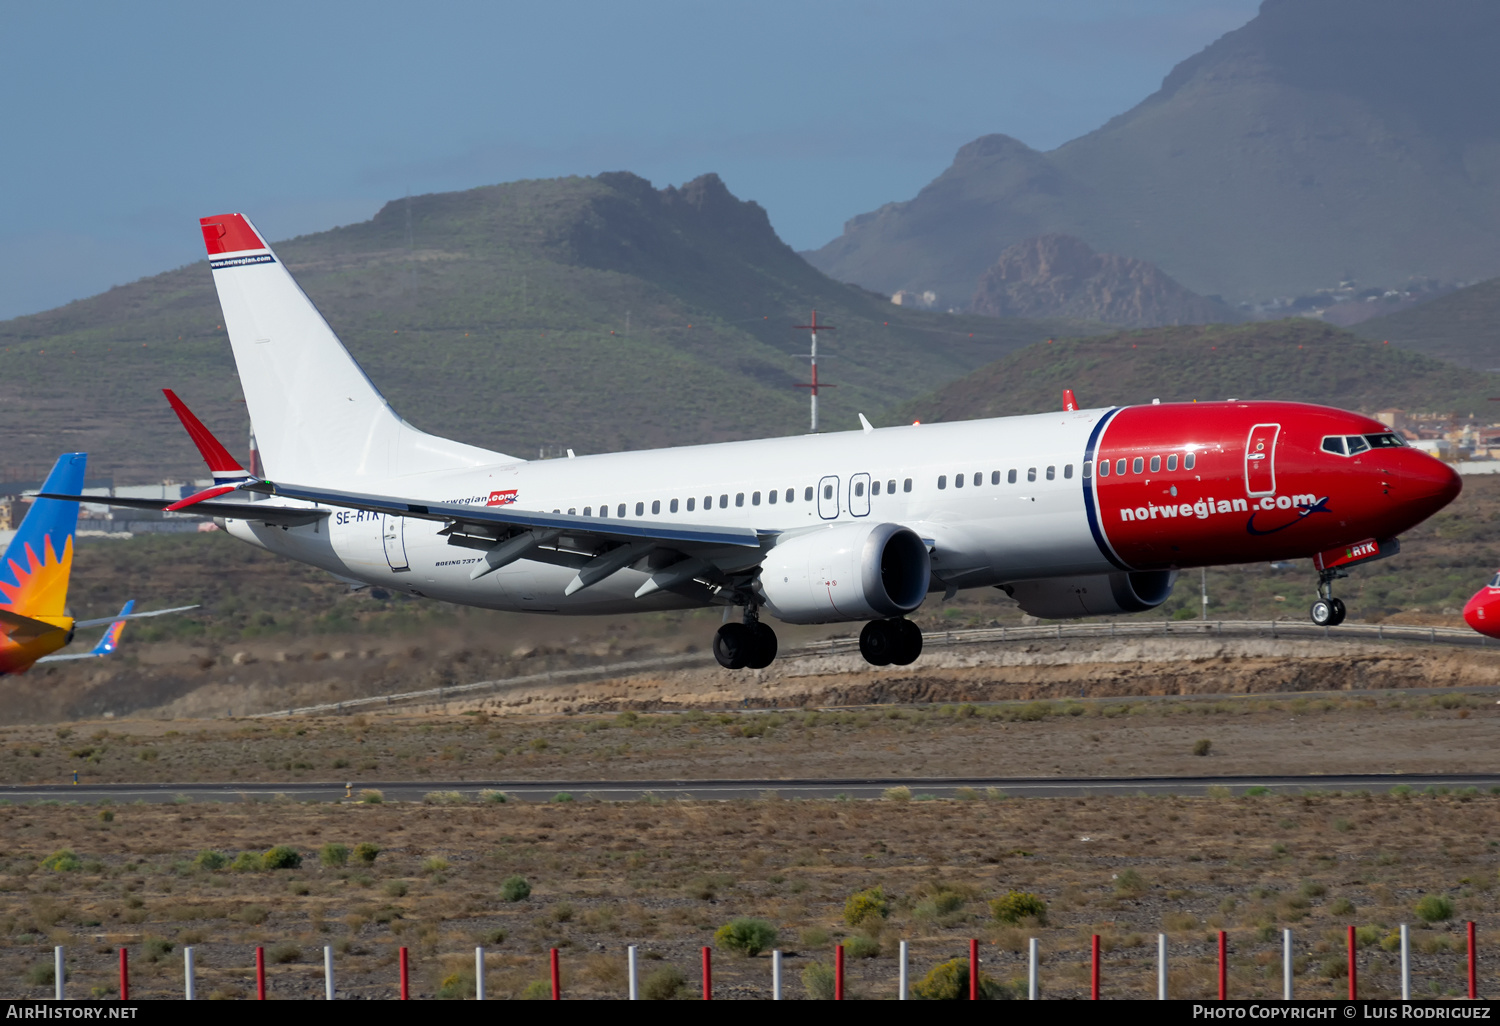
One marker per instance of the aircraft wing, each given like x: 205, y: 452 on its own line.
x: 126, y: 614
x: 595, y: 546
x: 264, y: 512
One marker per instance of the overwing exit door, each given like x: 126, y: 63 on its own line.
x: 393, y: 537
x: 828, y: 498
x: 1260, y: 459
x: 859, y: 495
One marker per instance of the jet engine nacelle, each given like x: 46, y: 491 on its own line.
x: 846, y: 572
x: 1064, y: 598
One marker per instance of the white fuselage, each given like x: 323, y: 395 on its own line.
x: 982, y: 534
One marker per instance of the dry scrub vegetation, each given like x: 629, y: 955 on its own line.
x: 667, y: 875
x: 1404, y: 732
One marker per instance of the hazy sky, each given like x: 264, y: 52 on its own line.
x: 121, y: 124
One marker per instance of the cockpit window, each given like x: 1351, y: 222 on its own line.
x: 1357, y: 444
x: 1335, y: 445
x: 1496, y: 582
x: 1386, y: 441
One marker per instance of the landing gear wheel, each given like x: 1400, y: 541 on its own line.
x: 1339, y: 612
x: 878, y: 643
x: 732, y: 645
x: 1322, y: 613
x: 908, y: 642
x: 762, y: 646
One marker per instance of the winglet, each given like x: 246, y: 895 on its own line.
x: 111, y: 639
x: 223, y: 465
x: 865, y: 424
x: 1070, y: 404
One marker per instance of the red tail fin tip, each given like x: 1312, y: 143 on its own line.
x: 229, y: 233
x: 1069, y: 403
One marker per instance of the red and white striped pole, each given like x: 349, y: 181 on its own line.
x: 405, y: 991
x: 1353, y: 968
x: 556, y: 978
x: 1473, y: 966
x: 973, y: 969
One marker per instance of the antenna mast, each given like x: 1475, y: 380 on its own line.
x: 813, y: 386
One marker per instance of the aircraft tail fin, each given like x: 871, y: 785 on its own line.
x: 111, y: 639
x: 317, y: 417
x: 39, y: 560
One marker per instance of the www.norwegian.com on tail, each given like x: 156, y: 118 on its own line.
x: 317, y: 418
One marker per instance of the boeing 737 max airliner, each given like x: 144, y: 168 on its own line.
x: 1074, y: 513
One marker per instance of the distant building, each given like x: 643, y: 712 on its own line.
x: 921, y: 300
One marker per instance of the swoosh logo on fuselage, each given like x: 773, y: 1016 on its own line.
x: 1321, y: 506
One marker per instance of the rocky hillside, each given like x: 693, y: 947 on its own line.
x: 1324, y: 140
x: 1060, y: 276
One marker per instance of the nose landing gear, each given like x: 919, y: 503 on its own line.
x: 750, y: 644
x: 884, y: 642
x: 1328, y: 611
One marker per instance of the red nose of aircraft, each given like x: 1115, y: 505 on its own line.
x: 1428, y: 484
x: 1483, y: 610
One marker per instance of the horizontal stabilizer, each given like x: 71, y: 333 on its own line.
x: 22, y: 627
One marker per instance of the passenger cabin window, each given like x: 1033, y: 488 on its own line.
x: 1068, y: 471
x: 1155, y: 464
x: 572, y: 511
x: 907, y: 486
x: 1088, y: 469
x: 691, y: 503
x: 724, y: 502
x: 755, y: 499
x: 874, y: 487
x: 708, y: 502
x: 958, y: 480
x: 588, y: 511
x: 655, y: 507
x: 1172, y: 462
x: 640, y: 509
x: 739, y: 498
x: 1104, y: 468
x: 1119, y: 466
x: 828, y: 491
x: 890, y: 486
x: 1051, y: 473
x: 1010, y: 478
x: 859, y: 489
x: 673, y: 507
x: 1137, y: 465
x: 1031, y: 473
x: 942, y: 481
x: 978, y: 480
x: 791, y: 493
x: 1187, y: 461
x: 995, y: 477
x: 604, y: 511
x: 771, y: 496
x: 807, y: 494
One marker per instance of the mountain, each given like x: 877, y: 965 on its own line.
x: 1060, y: 276
x: 1325, y: 140
x: 1463, y: 326
x: 593, y: 313
x: 1296, y: 359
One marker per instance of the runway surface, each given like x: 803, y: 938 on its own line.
x: 734, y: 790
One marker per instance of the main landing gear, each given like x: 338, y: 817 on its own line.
x: 1328, y: 611
x: 750, y: 644
x: 884, y: 642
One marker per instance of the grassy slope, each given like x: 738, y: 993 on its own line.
x: 1461, y: 326
x: 498, y: 316
x: 1292, y: 359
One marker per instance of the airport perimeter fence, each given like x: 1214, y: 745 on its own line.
x: 1276, y: 629
x: 972, y: 984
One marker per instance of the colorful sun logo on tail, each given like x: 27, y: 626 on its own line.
x: 39, y: 589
